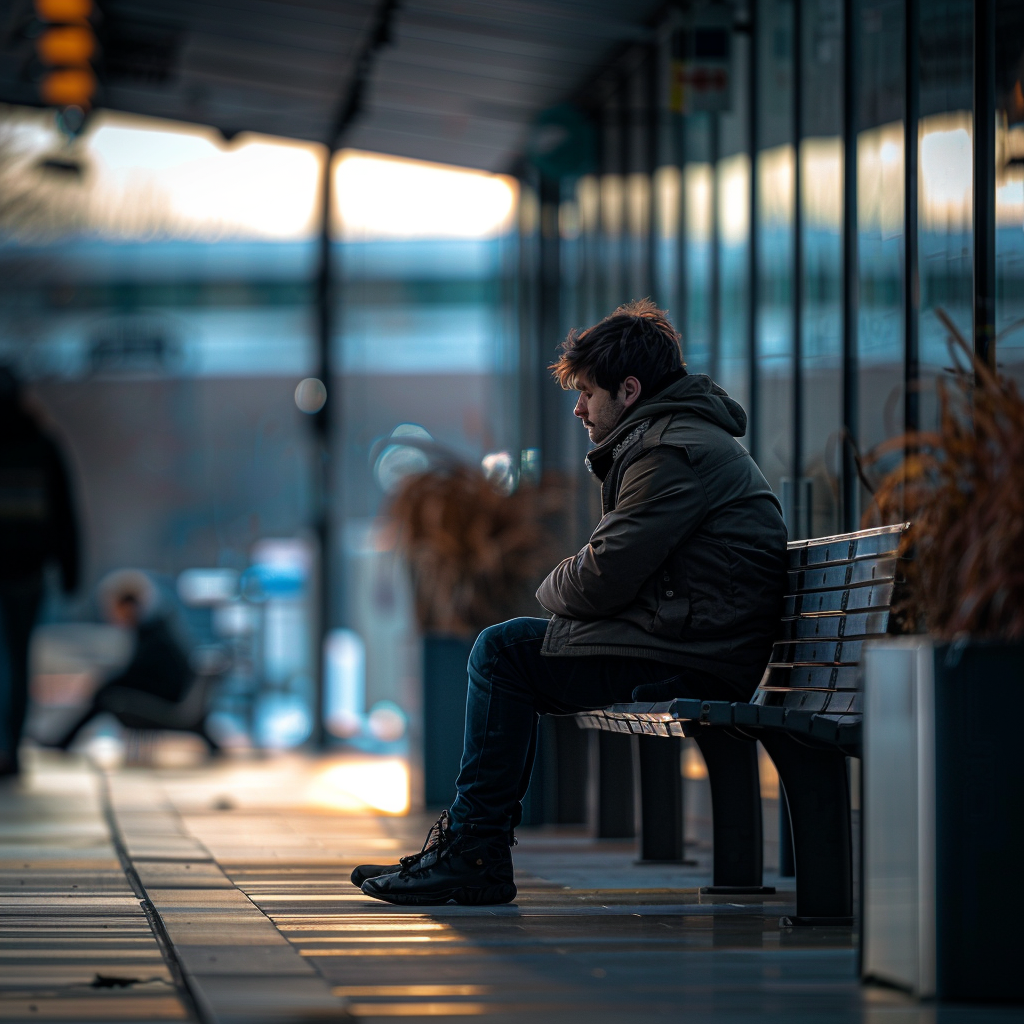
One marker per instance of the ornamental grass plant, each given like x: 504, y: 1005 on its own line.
x: 961, y: 487
x: 475, y: 554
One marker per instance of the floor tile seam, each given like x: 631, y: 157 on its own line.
x: 182, y: 986
x: 195, y: 982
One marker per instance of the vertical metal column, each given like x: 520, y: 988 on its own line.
x: 985, y: 181
x: 550, y: 400
x: 798, y: 516
x: 322, y: 445
x: 911, y: 270
x: 851, y: 273
x: 754, y: 403
x: 652, y: 126
x: 715, y: 299
x: 681, y: 298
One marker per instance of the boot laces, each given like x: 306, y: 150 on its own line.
x: 438, y: 838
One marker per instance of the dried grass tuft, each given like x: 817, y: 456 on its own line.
x: 962, y: 490
x: 475, y: 555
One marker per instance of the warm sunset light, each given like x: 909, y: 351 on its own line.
x: 362, y: 785
x: 386, y: 197
x: 258, y: 187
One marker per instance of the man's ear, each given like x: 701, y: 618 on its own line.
x: 629, y: 390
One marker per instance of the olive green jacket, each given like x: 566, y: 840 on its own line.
x: 688, y: 562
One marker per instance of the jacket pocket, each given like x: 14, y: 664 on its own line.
x: 710, y: 585
x: 671, y: 599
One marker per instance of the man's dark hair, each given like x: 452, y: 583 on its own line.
x: 637, y: 340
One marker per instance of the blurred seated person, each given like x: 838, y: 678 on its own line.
x: 155, y: 689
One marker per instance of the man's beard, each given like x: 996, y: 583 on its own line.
x: 607, y: 422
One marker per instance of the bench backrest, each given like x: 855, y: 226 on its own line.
x: 839, y: 595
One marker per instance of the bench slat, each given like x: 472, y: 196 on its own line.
x: 819, y: 550
x: 815, y: 602
x: 860, y: 626
x: 825, y: 651
x: 833, y: 701
x: 841, y: 576
x: 814, y: 677
x: 841, y: 557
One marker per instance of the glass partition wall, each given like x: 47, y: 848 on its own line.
x: 799, y: 193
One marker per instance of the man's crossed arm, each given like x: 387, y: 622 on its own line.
x: 661, y: 501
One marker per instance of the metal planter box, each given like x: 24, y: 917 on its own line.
x: 943, y: 818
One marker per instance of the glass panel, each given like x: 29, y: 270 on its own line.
x: 733, y: 197
x: 1010, y: 189
x: 638, y: 226
x: 945, y: 180
x: 668, y: 183
x: 1010, y: 254
x: 613, y: 209
x: 821, y: 206
x: 425, y: 337
x: 158, y: 307
x: 588, y: 205
x: 639, y: 201
x: 698, y: 191
x: 775, y: 183
x: 880, y: 345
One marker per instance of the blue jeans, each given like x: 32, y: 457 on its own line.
x: 510, y: 685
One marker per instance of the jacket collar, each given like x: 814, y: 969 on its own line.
x: 629, y: 429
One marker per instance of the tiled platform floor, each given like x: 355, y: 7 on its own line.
x: 246, y: 879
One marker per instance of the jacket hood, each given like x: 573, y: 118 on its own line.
x: 694, y: 394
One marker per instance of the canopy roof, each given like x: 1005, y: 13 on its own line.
x: 457, y: 81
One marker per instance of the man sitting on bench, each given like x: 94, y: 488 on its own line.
x: 677, y: 594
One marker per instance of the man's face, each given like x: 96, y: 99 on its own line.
x: 598, y: 410
x: 125, y: 613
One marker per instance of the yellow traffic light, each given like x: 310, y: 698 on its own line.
x: 66, y: 46
x: 69, y: 87
x: 64, y: 11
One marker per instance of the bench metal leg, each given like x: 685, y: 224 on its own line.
x: 661, y: 799
x: 616, y: 817
x: 736, y: 811
x: 571, y: 775
x: 818, y: 793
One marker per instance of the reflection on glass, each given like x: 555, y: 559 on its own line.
x: 944, y: 185
x: 638, y: 223
x: 775, y: 183
x: 1010, y: 197
x: 880, y: 285
x: 945, y: 241
x: 390, y: 197
x: 668, y: 185
x: 613, y: 223
x: 1010, y: 250
x: 732, y: 362
x: 734, y: 243
x: 880, y: 222
x: 821, y: 178
x: 697, y: 191
x: 821, y: 248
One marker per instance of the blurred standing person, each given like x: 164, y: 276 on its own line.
x: 37, y: 526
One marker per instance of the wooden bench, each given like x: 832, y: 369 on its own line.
x: 806, y: 713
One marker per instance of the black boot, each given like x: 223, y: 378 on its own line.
x: 364, y: 871
x: 453, y: 867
